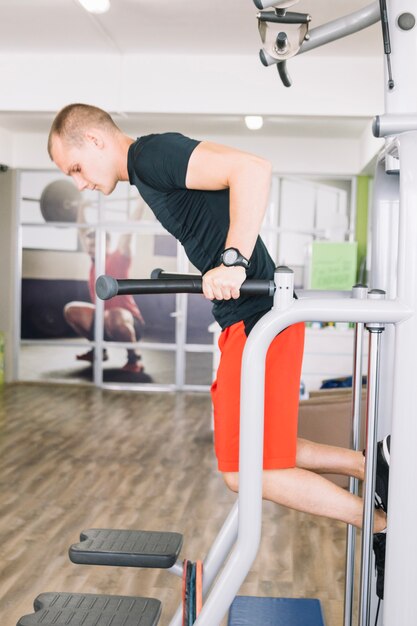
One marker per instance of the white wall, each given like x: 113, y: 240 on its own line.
x: 198, y: 84
x: 215, y: 84
x: 288, y: 155
x: 6, y: 147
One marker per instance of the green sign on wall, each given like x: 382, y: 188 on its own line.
x: 333, y: 265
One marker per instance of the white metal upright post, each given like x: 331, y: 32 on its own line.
x: 375, y: 330
x: 383, y: 274
x: 401, y: 103
x: 400, y: 572
x: 359, y: 292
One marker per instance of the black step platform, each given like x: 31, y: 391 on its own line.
x: 79, y: 609
x: 128, y: 548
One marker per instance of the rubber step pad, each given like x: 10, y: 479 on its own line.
x: 253, y: 611
x: 128, y: 548
x: 77, y: 609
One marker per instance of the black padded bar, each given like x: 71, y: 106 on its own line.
x: 85, y: 609
x: 127, y: 548
x: 107, y: 287
x: 287, y: 18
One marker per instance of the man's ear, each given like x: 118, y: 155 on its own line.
x: 95, y: 137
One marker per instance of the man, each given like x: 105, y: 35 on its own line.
x: 123, y: 320
x: 212, y: 199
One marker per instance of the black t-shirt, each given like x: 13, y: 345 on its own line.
x: 157, y: 166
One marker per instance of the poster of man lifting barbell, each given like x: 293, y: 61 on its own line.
x: 68, y: 237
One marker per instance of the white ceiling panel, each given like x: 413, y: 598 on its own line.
x: 163, y: 26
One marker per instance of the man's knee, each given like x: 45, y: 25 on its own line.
x: 119, y: 324
x: 71, y: 312
x: 79, y: 315
x: 232, y: 480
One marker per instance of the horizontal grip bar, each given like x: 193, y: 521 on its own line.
x: 107, y: 287
x: 286, y: 18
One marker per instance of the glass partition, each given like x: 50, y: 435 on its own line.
x: 69, y: 238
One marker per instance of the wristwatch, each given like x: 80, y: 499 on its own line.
x: 232, y: 257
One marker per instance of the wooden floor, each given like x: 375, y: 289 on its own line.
x: 78, y: 457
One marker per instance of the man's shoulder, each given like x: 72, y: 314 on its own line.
x: 160, y: 160
x: 160, y: 139
x: 159, y: 146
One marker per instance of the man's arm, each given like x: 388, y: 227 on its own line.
x: 248, y: 177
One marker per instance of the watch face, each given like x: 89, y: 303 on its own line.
x: 230, y: 256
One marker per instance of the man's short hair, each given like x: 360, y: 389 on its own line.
x: 72, y: 121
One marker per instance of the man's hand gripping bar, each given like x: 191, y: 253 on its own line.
x: 107, y: 287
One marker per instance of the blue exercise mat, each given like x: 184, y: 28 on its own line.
x: 252, y: 611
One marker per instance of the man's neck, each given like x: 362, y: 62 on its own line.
x: 123, y: 144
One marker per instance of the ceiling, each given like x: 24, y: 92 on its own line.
x: 212, y: 27
x: 163, y: 26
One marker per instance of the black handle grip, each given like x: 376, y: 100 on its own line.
x: 284, y: 18
x: 107, y: 287
x: 283, y: 73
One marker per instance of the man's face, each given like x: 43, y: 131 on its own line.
x: 90, y: 165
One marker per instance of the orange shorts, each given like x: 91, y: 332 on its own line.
x: 282, y: 391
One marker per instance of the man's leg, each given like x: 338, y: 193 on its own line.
x: 322, y: 458
x: 303, y: 489
x: 306, y: 491
x: 119, y: 325
x: 80, y: 316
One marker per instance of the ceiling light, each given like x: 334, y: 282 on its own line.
x: 254, y: 122
x: 95, y: 6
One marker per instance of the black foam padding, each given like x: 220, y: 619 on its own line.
x: 128, y: 548
x: 79, y: 609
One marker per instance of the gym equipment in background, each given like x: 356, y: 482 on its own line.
x: 59, y: 201
x: 282, y: 33
x: 286, y: 34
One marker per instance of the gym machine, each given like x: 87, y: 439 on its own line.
x: 393, y: 303
x: 235, y: 548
